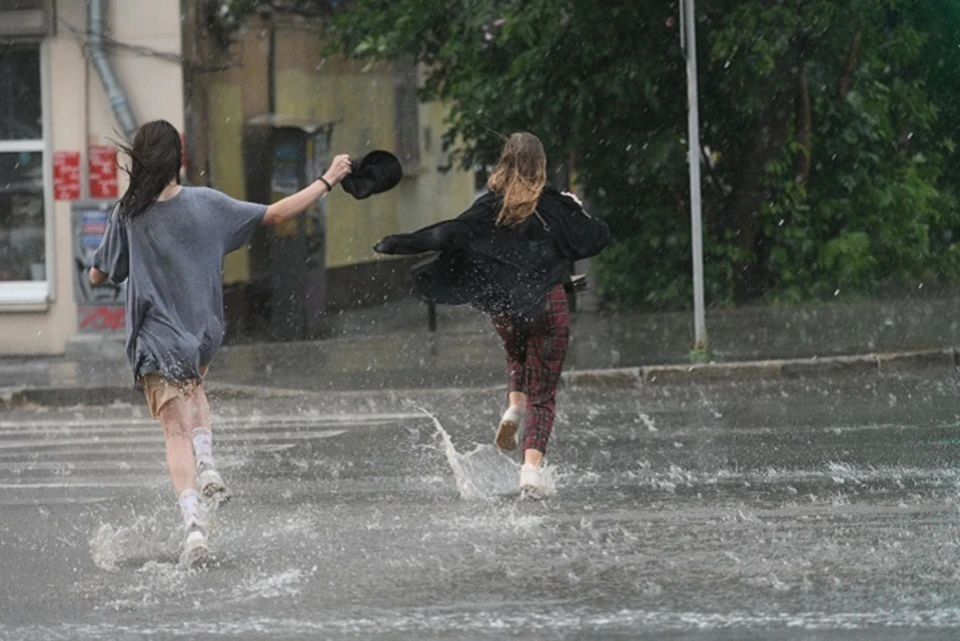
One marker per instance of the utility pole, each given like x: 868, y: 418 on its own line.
x: 688, y: 42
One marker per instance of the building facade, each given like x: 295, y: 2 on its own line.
x: 57, y: 127
x: 276, y: 71
x: 76, y: 76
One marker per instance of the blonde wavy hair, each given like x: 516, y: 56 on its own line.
x: 520, y: 176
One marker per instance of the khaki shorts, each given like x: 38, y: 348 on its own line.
x: 160, y: 391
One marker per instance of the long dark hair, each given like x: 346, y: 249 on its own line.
x: 520, y: 176
x: 155, y: 159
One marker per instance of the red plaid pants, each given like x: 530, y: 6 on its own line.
x: 535, y: 352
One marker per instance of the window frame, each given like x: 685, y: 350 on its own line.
x: 36, y: 292
x: 28, y: 23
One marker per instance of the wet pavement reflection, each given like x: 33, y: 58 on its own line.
x: 818, y: 509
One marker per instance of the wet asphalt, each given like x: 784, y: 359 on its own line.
x: 787, y: 510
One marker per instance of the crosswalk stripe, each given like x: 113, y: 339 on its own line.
x: 155, y: 430
x: 53, y: 500
x: 67, y: 466
x: 219, y: 422
x: 82, y: 484
x: 109, y: 440
x: 144, y: 460
x: 93, y: 459
x: 93, y: 451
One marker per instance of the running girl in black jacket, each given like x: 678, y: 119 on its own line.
x: 509, y: 255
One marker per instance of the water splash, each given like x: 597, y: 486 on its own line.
x: 483, y: 473
x: 283, y: 584
x: 151, y: 538
x: 113, y: 547
x: 154, y: 583
x: 464, y: 484
x: 648, y: 422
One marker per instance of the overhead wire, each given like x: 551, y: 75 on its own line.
x: 113, y: 45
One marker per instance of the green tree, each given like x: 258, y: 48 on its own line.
x: 823, y: 121
x: 841, y: 189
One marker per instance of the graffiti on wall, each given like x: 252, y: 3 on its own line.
x: 106, y: 318
x: 100, y: 308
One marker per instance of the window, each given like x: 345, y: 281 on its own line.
x: 23, y: 230
x: 26, y: 18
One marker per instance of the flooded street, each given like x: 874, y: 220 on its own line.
x: 817, y: 509
x: 723, y: 237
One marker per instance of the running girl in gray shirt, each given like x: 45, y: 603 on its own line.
x: 168, y: 243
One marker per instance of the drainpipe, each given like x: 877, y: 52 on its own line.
x: 96, y: 23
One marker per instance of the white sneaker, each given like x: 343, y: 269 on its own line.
x: 532, y: 481
x: 506, y: 438
x: 211, y: 484
x: 196, y: 549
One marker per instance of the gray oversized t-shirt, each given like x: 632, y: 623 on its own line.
x: 172, y: 257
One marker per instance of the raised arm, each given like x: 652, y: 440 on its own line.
x: 294, y: 204
x: 436, y: 237
x: 440, y: 236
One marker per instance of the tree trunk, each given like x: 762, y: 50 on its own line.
x: 805, y: 127
x: 846, y: 79
x: 766, y: 141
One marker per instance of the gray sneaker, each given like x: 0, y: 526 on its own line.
x: 211, y: 485
x: 196, y: 549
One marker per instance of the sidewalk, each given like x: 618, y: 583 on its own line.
x: 391, y: 348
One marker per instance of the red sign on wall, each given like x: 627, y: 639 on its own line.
x: 66, y: 175
x: 102, y: 161
x: 102, y: 318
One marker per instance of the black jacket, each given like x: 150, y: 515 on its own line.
x: 502, y: 270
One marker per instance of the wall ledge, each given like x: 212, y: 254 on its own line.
x: 24, y: 308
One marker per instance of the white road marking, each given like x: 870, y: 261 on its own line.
x: 97, y: 459
x: 219, y: 422
x: 48, y: 443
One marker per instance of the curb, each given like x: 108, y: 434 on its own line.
x: 895, y: 362
x: 625, y: 377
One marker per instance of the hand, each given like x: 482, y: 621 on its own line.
x: 339, y: 169
x: 97, y: 277
x: 385, y: 246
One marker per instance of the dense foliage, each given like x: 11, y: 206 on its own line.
x: 829, y: 129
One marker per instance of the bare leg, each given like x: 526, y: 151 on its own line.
x: 210, y: 482
x: 201, y: 424
x: 199, y: 408
x: 518, y: 400
x: 175, y: 417
x: 201, y: 432
x: 532, y: 457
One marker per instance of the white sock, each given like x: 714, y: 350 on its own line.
x: 189, y: 507
x: 203, y: 446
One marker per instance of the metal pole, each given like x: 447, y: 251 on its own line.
x: 688, y: 40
